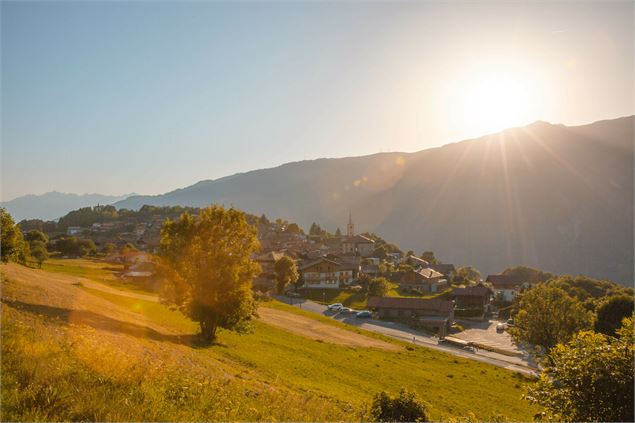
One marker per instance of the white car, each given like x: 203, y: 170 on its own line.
x: 347, y: 310
x: 335, y: 307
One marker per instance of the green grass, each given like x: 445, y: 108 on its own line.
x: 452, y: 387
x: 358, y: 300
x: 96, y: 270
x: 55, y: 370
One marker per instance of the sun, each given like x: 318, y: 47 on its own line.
x: 495, y: 100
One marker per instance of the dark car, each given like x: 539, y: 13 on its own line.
x: 364, y: 314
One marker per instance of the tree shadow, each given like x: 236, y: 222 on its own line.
x: 101, y: 322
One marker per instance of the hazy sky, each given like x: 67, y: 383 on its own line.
x: 117, y: 97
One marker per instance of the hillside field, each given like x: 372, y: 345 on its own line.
x: 77, y: 352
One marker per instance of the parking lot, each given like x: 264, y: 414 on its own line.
x: 485, y: 333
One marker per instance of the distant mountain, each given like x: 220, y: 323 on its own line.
x: 555, y: 197
x: 53, y: 205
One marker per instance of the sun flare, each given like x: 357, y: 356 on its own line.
x: 492, y: 100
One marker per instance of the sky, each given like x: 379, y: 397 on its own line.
x: 146, y: 97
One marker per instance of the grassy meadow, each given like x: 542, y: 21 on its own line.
x: 138, y: 360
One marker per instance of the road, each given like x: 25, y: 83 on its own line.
x: 405, y: 333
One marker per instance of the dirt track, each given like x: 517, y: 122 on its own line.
x: 315, y: 329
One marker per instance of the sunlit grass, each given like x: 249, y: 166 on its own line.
x: 451, y: 386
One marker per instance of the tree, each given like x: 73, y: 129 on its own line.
x: 338, y: 232
x: 589, y: 379
x: 378, y: 287
x: 13, y: 246
x: 468, y: 273
x: 208, y: 270
x: 429, y: 257
x: 380, y: 252
x: 39, y: 252
x: 286, y: 273
x: 548, y: 316
x: 611, y: 313
x: 109, y: 248
x: 294, y: 228
x: 35, y: 235
x: 528, y: 274
x: 403, y: 408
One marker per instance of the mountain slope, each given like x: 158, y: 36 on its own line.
x: 555, y: 197
x: 53, y: 205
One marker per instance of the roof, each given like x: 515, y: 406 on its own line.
x: 444, y: 268
x: 503, y: 281
x: 475, y: 291
x: 270, y: 256
x: 358, y: 239
x: 429, y: 273
x: 320, y: 260
x: 423, y: 304
x: 417, y: 260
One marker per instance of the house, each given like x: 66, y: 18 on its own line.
x: 267, y: 261
x: 416, y: 262
x: 358, y: 245
x: 430, y: 313
x: 325, y: 273
x: 446, y: 269
x: 508, y: 286
x: 427, y: 280
x: 472, y: 300
x: 73, y: 230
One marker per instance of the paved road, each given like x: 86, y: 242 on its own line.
x: 405, y: 333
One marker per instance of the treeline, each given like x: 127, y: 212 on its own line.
x: 86, y: 216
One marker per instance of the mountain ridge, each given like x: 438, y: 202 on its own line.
x: 490, y: 201
x: 54, y: 204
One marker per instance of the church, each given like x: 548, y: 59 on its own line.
x: 356, y: 244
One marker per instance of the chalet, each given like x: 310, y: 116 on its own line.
x: 325, y: 273
x: 446, y: 269
x: 427, y: 280
x: 472, y: 299
x: 508, y: 286
x: 429, y: 313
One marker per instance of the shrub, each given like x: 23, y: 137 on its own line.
x: 405, y: 407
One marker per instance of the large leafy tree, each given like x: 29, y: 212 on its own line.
x: 13, y: 246
x: 611, y: 313
x: 589, y: 379
x: 286, y: 272
x: 207, y: 261
x: 548, y: 316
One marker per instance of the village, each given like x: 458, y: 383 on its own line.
x: 335, y: 270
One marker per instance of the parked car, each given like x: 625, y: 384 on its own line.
x: 293, y: 294
x: 347, y: 310
x: 510, y: 322
x: 364, y: 314
x: 500, y: 327
x: 335, y: 307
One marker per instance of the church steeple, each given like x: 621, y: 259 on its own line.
x: 350, y: 228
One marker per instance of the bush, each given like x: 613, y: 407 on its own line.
x: 405, y: 407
